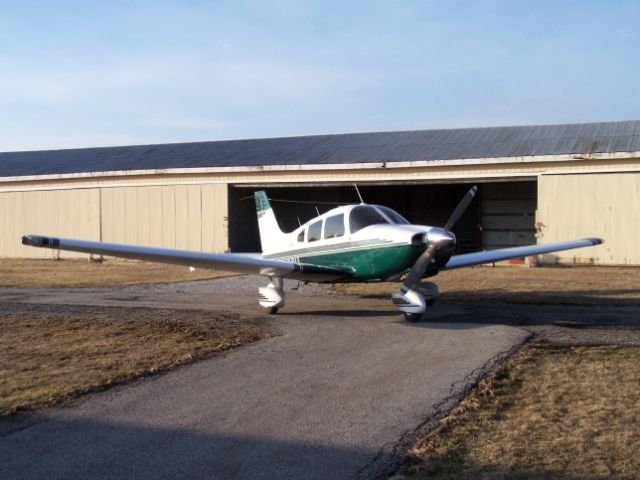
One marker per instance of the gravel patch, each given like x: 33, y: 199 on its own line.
x: 238, y: 285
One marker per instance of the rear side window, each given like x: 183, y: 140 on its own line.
x: 334, y: 226
x: 314, y: 231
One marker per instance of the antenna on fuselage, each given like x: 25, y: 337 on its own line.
x: 359, y: 196
x: 317, y: 211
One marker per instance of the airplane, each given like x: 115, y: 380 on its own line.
x: 351, y: 243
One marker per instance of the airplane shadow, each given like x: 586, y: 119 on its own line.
x: 468, y: 314
x: 339, y: 313
x: 611, y: 297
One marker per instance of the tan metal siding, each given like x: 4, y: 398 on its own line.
x: 220, y: 209
x: 194, y: 224
x: 60, y: 213
x: 594, y: 205
x: 168, y: 217
x: 156, y: 215
x: 172, y: 216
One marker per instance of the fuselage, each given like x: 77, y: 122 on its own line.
x: 373, y: 242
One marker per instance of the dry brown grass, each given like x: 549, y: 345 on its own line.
x: 550, y: 413
x: 616, y: 285
x: 48, y: 358
x: 81, y: 273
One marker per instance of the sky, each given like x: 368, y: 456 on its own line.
x: 88, y: 73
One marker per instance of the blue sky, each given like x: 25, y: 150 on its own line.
x: 77, y: 74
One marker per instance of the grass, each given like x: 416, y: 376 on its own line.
x: 549, y: 413
x: 82, y: 273
x: 52, y: 357
x: 566, y: 285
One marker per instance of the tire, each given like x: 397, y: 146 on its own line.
x: 272, y: 310
x: 413, y: 317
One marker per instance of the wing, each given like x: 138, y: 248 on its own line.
x: 478, y: 258
x: 241, y: 263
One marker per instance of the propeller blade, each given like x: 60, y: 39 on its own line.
x: 462, y: 206
x: 418, y: 269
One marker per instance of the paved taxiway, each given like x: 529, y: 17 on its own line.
x: 332, y: 397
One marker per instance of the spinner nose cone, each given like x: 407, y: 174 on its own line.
x: 440, y: 236
x: 445, y: 242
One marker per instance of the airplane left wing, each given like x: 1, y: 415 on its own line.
x: 241, y: 263
x: 490, y: 256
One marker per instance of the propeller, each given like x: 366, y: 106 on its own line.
x: 460, y: 209
x: 436, y: 239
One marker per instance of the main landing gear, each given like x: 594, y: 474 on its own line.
x: 413, y: 303
x: 271, y: 297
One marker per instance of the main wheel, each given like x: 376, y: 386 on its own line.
x: 413, y: 317
x: 273, y: 310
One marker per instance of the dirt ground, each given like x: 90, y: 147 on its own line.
x: 49, y: 353
x: 82, y: 273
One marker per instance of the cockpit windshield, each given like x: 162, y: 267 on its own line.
x: 394, y: 216
x: 365, y: 215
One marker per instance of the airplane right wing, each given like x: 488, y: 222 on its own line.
x: 233, y: 262
x: 490, y: 256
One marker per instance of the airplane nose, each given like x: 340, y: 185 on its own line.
x: 445, y: 244
x: 441, y: 237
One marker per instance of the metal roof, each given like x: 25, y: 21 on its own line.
x: 404, y: 146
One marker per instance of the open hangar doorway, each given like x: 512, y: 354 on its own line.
x: 502, y: 215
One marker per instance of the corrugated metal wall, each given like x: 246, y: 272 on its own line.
x: 190, y: 217
x: 591, y: 205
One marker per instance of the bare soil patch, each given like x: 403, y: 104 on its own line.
x: 552, y: 285
x: 82, y: 273
x: 547, y: 413
x: 51, y: 353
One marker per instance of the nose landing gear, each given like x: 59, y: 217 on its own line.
x: 271, y: 297
x: 413, y: 304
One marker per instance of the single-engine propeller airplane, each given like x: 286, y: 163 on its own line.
x: 352, y: 243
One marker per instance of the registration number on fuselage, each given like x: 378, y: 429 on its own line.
x: 292, y: 259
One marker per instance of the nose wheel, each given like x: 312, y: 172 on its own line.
x: 413, y: 304
x: 413, y: 317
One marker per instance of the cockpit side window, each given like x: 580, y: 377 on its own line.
x: 301, y: 236
x: 334, y: 226
x: 363, y: 216
x: 315, y: 229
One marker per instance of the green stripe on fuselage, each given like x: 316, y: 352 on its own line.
x: 369, y: 263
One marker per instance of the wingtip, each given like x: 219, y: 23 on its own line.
x: 30, y: 240
x: 595, y: 240
x: 40, y: 241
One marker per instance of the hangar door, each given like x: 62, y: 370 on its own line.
x: 507, y: 214
x: 503, y: 214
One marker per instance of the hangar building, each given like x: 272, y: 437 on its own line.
x: 539, y: 183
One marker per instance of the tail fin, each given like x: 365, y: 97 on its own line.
x: 271, y: 237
